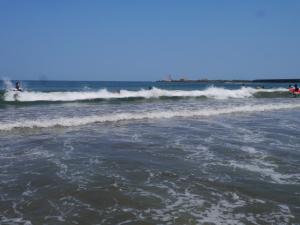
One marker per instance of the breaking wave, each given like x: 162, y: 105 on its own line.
x: 211, y: 92
x: 78, y: 121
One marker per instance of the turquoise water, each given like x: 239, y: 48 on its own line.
x: 121, y: 153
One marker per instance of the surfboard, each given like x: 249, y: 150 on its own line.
x: 292, y: 90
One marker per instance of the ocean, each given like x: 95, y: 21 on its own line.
x: 149, y: 153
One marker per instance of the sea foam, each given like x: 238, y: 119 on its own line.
x: 211, y: 92
x: 78, y: 121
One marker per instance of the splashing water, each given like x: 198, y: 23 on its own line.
x: 211, y: 92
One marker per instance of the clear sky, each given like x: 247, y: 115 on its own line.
x: 149, y: 39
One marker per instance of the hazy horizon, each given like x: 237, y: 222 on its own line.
x: 8, y: 79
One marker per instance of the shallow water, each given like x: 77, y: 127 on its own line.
x: 171, y: 158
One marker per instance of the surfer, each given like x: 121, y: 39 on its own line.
x: 294, y: 90
x: 18, y: 86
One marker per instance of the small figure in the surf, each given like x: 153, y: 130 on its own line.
x: 18, y: 88
x: 150, y: 88
x: 294, y: 90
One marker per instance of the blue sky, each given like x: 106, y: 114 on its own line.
x: 147, y: 40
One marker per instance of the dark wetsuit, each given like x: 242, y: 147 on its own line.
x: 296, y: 89
x: 18, y: 86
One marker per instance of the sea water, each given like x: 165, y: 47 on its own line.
x: 149, y: 153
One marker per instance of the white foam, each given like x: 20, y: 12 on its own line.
x: 220, y: 208
x: 14, y: 221
x: 78, y: 121
x: 211, y: 92
x: 249, y: 150
x: 8, y: 84
x: 268, y: 172
x: 226, y: 211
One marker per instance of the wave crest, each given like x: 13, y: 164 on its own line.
x: 211, y: 92
x: 78, y: 121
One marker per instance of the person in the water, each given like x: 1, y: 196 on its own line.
x: 18, y: 86
x: 296, y: 89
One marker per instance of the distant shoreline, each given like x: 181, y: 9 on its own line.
x: 233, y: 81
